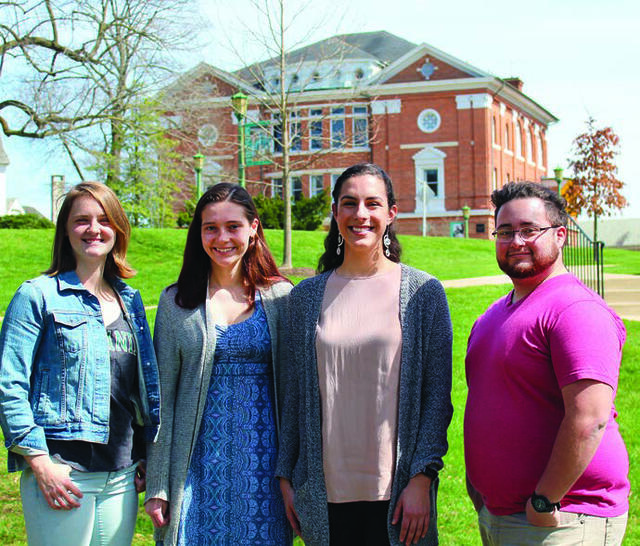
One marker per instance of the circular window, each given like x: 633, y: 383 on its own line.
x: 208, y: 134
x: 429, y: 120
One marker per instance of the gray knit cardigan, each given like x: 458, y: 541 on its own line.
x: 185, y: 343
x: 425, y: 408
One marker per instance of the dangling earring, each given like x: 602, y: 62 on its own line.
x: 386, y: 241
x: 340, y: 241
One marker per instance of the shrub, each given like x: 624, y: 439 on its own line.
x: 25, y: 221
x: 270, y: 211
x: 307, y: 213
x: 184, y: 218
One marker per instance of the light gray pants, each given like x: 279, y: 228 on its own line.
x: 574, y: 530
x: 106, y: 516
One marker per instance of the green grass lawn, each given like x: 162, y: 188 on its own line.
x: 156, y: 254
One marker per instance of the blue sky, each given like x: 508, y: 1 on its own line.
x: 576, y: 58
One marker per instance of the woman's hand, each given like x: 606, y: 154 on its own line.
x: 413, y: 505
x: 140, y: 479
x: 287, y: 496
x: 158, y: 511
x: 54, y: 482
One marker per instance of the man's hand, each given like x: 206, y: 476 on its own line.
x: 413, y: 506
x: 54, y: 482
x: 287, y: 496
x: 541, y: 519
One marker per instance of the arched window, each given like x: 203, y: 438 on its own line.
x: 518, y: 135
x: 493, y: 130
x: 529, y: 145
x: 540, y: 160
x: 506, y: 137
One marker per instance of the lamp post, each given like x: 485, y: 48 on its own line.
x: 466, y: 212
x: 557, y: 175
x: 239, y: 102
x: 198, y: 163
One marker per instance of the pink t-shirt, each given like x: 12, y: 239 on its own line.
x: 519, y: 357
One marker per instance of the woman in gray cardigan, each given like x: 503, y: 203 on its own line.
x: 210, y: 475
x: 368, y: 382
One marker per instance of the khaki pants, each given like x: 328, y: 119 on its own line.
x: 574, y: 530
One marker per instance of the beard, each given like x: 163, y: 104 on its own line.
x: 539, y: 263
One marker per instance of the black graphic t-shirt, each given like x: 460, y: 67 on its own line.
x: 124, y: 446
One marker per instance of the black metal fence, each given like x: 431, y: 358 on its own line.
x: 584, y: 257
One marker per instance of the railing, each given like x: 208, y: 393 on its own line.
x: 584, y: 257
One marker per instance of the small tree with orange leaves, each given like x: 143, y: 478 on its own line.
x: 595, y: 188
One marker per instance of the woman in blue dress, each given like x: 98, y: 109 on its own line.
x: 210, y: 476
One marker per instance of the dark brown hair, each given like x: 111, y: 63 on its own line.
x: 258, y: 266
x: 554, y: 204
x: 329, y: 259
x: 63, y: 259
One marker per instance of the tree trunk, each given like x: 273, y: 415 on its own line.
x: 286, y: 184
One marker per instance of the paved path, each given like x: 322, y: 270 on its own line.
x: 622, y: 292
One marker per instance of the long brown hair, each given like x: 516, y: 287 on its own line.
x: 63, y: 259
x: 259, y: 269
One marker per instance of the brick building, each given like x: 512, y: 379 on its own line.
x: 446, y: 132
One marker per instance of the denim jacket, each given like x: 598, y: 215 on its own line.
x: 55, y: 369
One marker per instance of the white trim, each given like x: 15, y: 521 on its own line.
x: 420, y: 145
x: 426, y: 50
x: 443, y: 214
x: 496, y: 146
x: 423, y: 115
x: 477, y: 100
x: 278, y: 174
x: 503, y: 108
x: 429, y: 158
x: 492, y: 84
x: 393, y: 106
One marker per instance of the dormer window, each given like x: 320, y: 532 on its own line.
x: 359, y: 74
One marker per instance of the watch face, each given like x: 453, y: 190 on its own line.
x: 539, y: 505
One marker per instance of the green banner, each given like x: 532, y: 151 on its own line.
x: 257, y: 139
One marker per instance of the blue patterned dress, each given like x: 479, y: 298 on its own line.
x: 231, y: 495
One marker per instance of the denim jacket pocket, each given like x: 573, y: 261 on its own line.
x: 71, y: 331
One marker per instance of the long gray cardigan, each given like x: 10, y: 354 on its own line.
x: 425, y: 408
x: 185, y: 343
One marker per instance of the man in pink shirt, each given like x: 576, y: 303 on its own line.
x: 545, y: 461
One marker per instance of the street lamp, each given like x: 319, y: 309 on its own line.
x: 239, y: 101
x: 466, y: 212
x: 198, y: 163
x: 557, y: 172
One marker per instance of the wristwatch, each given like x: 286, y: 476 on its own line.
x: 542, y: 504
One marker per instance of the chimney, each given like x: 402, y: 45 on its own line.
x: 514, y: 81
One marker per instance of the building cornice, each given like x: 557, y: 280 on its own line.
x: 495, y: 86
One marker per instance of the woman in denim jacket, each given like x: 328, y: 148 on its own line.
x: 79, y: 389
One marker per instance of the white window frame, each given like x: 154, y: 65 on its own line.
x: 429, y: 158
x: 338, y: 114
x: 360, y: 113
x: 314, y: 189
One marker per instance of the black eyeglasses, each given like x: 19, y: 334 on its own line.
x: 528, y: 233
